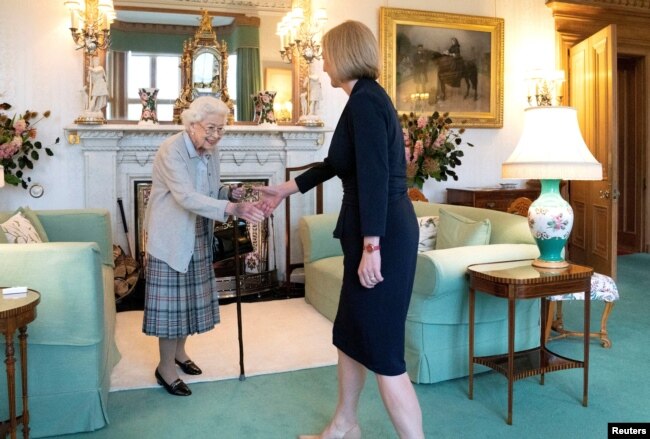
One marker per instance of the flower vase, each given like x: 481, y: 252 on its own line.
x: 148, y: 98
x: 263, y: 105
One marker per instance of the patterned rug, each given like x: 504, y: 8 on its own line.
x: 279, y: 336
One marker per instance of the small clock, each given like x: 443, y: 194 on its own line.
x: 36, y: 190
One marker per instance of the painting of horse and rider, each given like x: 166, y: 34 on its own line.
x: 450, y: 74
x: 434, y: 65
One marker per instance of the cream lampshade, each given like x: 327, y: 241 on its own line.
x: 551, y: 148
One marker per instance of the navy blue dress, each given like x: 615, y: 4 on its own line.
x: 367, y: 153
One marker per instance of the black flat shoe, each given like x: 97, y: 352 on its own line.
x: 177, y: 388
x: 189, y: 367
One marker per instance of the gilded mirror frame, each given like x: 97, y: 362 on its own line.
x: 204, y: 41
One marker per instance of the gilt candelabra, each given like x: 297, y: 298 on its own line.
x: 301, y: 35
x: 90, y: 22
x: 300, y: 44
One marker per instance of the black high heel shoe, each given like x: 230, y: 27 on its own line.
x: 177, y: 388
x: 189, y: 367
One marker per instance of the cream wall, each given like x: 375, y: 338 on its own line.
x: 41, y: 70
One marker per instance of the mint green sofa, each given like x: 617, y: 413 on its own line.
x: 436, y: 325
x: 71, y: 344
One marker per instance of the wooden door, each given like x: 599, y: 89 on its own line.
x: 592, y: 91
x: 631, y: 154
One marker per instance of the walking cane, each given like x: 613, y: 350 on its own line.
x: 242, y: 374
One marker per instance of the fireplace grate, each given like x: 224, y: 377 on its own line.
x: 256, y: 275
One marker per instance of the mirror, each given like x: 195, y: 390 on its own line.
x: 204, y: 69
x: 206, y: 75
x: 149, y: 42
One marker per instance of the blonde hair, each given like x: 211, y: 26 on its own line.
x: 352, y: 51
x: 201, y: 107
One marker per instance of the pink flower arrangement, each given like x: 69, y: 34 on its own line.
x: 431, y: 146
x: 17, y: 151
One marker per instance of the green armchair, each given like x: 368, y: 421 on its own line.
x: 71, y: 344
x: 436, y: 327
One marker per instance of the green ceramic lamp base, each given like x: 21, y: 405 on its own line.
x: 550, y: 219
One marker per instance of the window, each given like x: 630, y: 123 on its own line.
x: 152, y: 71
x: 131, y: 71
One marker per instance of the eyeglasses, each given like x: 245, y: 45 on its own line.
x: 212, y: 129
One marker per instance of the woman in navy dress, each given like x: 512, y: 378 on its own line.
x: 378, y: 231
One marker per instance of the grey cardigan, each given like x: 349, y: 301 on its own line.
x: 174, y: 202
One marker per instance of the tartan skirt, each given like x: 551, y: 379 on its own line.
x: 180, y: 304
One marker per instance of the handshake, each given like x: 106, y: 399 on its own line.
x: 270, y: 198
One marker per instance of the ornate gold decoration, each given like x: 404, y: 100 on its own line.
x: 204, y: 41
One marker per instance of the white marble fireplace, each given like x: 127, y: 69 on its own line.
x: 118, y: 156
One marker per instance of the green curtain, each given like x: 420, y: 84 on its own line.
x: 249, y: 81
x: 147, y: 42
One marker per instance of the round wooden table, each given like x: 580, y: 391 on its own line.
x: 16, y: 312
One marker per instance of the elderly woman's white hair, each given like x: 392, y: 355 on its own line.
x: 201, y: 107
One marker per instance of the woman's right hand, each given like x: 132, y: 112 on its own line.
x: 251, y: 212
x: 272, y: 196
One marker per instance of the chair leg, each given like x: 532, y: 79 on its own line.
x: 549, y: 319
x: 558, y: 326
x: 604, y: 339
x: 558, y: 322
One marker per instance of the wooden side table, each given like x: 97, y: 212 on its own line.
x: 515, y: 280
x: 15, y: 314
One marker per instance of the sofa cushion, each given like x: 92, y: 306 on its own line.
x: 456, y: 230
x: 506, y: 228
x: 428, y: 232
x: 80, y: 225
x: 23, y: 227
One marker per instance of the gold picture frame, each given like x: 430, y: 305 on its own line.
x: 425, y: 70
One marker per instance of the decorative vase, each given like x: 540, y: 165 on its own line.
x: 550, y: 219
x: 263, y: 104
x: 148, y: 99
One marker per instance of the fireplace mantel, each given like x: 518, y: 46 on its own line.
x: 118, y: 156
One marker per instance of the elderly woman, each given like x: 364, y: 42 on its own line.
x: 186, y: 198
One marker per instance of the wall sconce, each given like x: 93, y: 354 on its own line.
x: 90, y: 22
x: 300, y: 32
x: 545, y: 87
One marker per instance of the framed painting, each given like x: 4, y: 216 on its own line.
x: 443, y: 62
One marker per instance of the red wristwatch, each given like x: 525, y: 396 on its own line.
x: 371, y: 248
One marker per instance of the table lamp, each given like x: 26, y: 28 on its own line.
x: 551, y: 149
